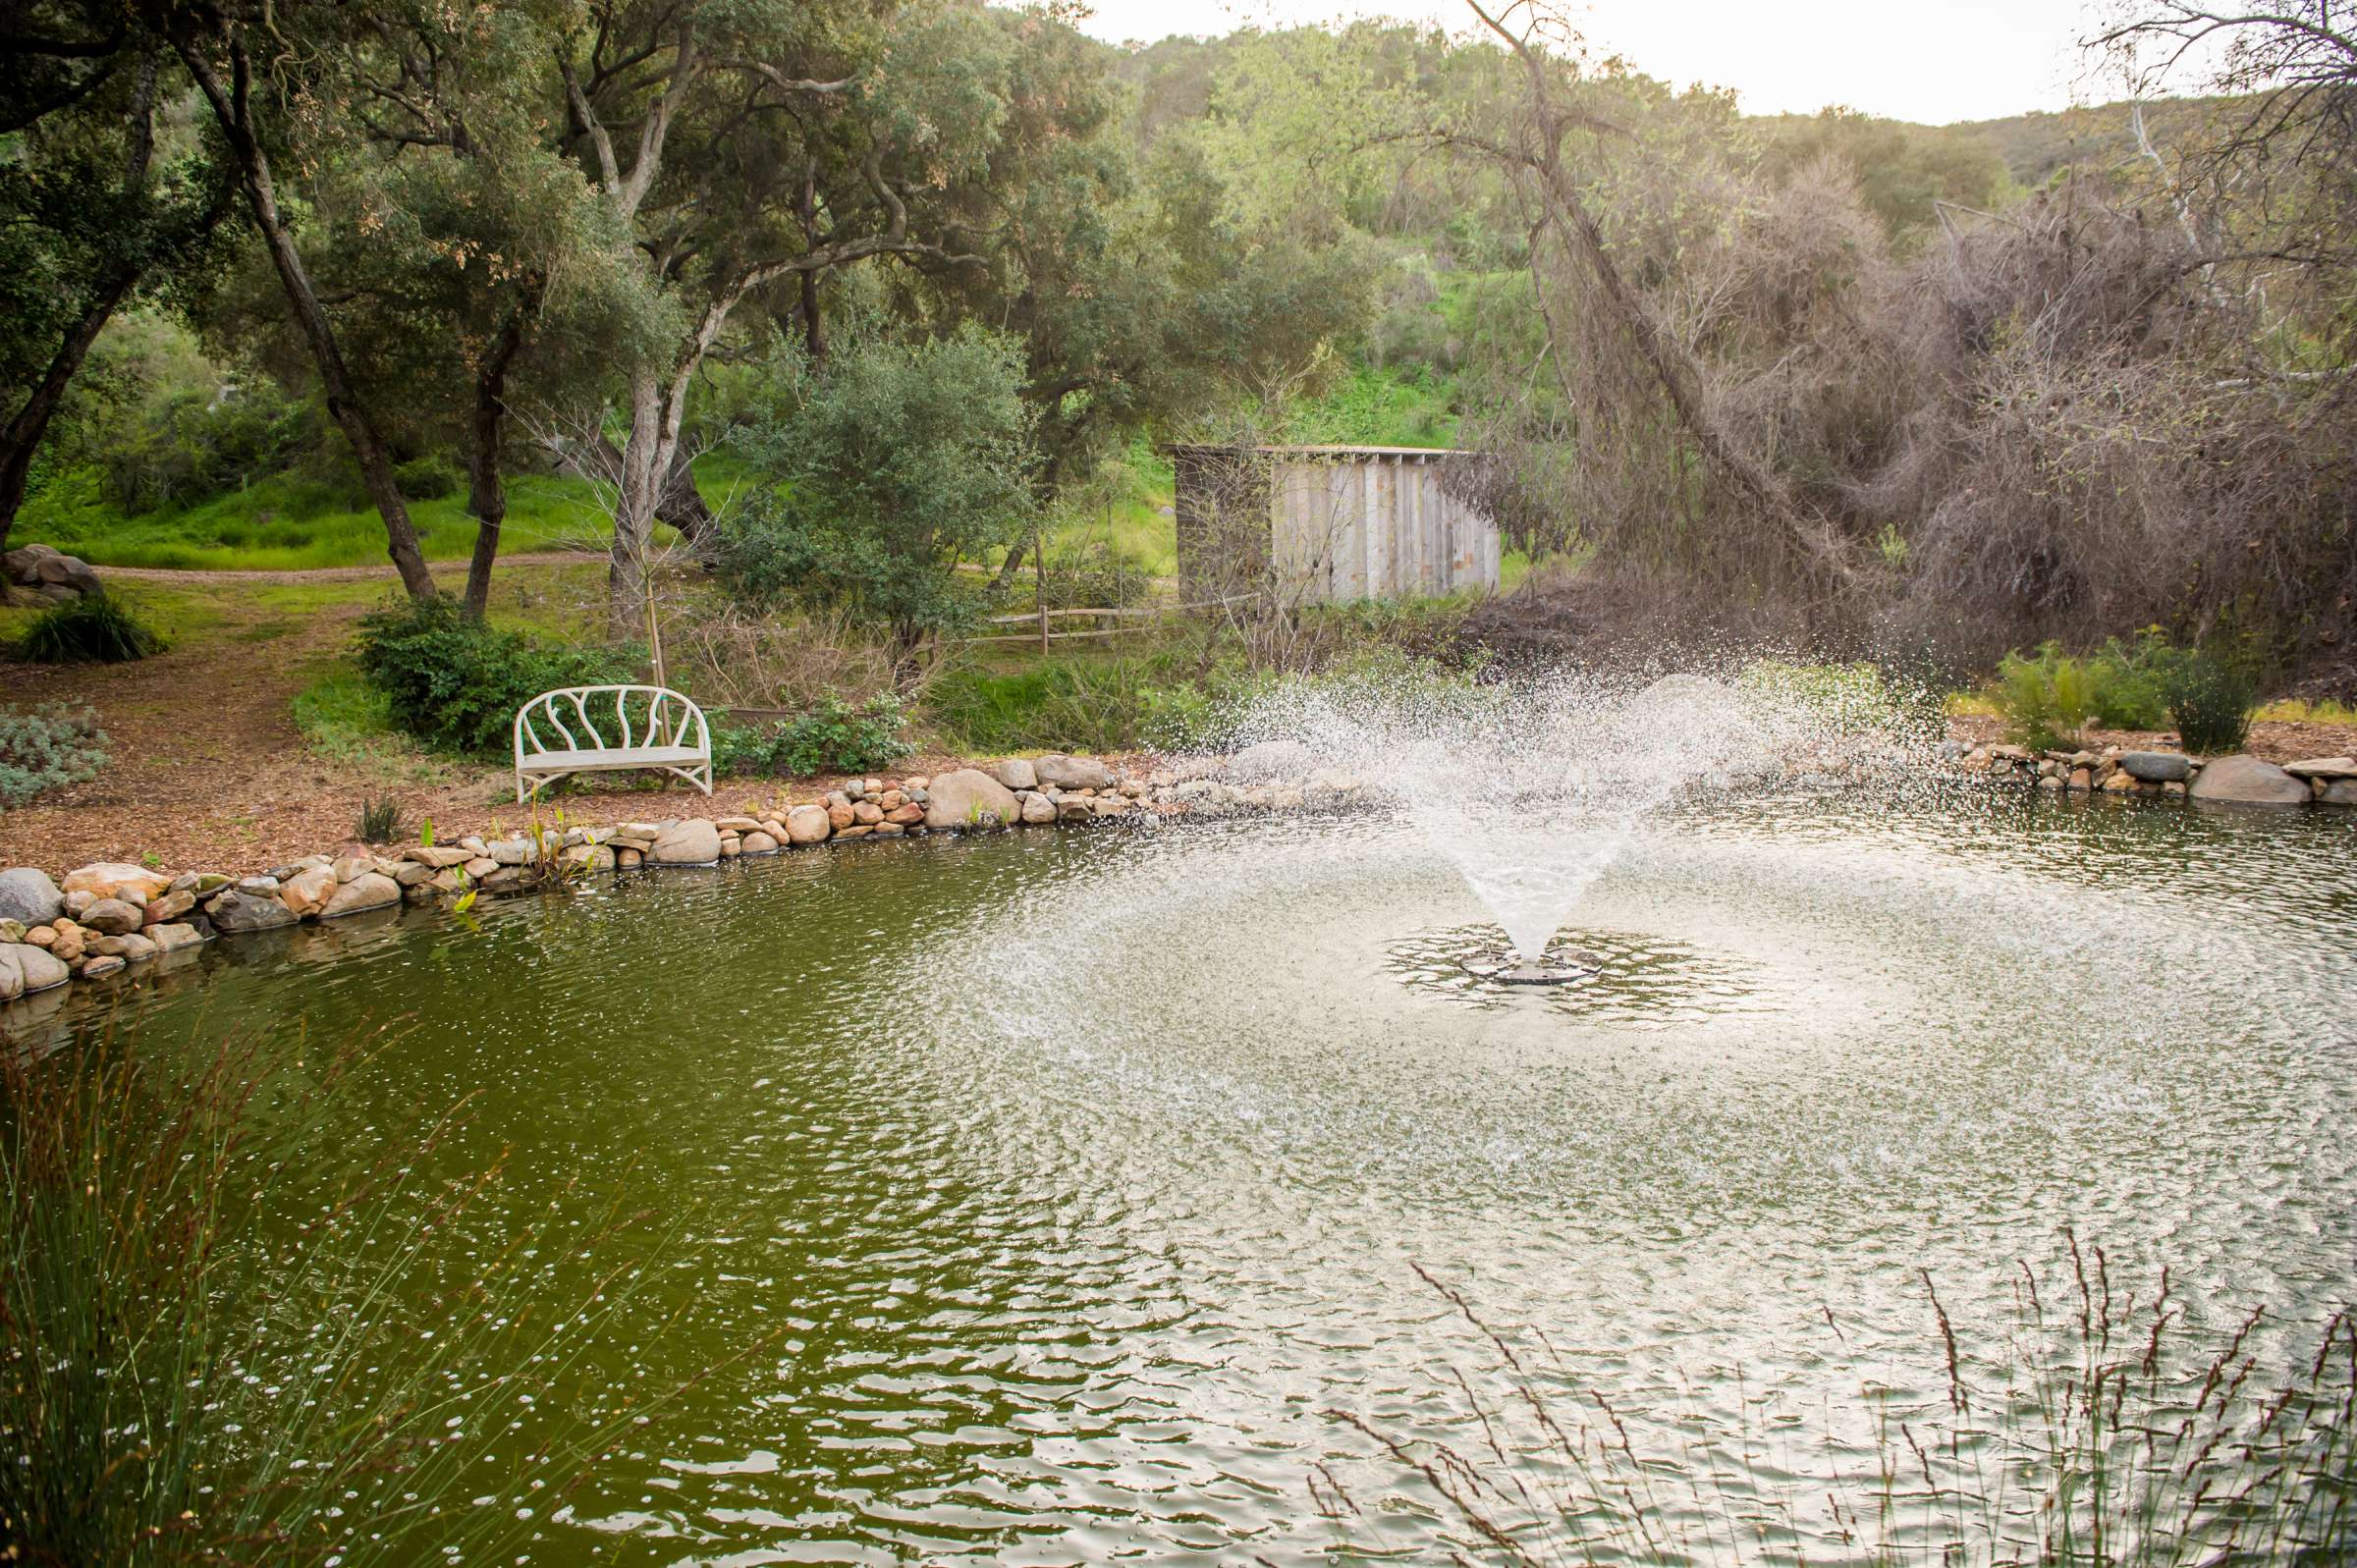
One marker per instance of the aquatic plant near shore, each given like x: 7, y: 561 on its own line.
x: 172, y: 1388
x: 2106, y: 1431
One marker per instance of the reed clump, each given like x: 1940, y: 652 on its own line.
x: 190, y: 1374
x: 2101, y: 1427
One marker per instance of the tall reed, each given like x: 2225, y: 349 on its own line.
x: 2099, y: 1428
x: 186, y: 1375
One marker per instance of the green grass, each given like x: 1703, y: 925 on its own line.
x: 288, y: 524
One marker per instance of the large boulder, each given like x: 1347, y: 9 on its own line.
x: 244, y: 911
x: 1071, y: 773
x: 110, y: 879
x: 24, y: 968
x: 27, y: 894
x: 2339, y: 792
x: 1016, y: 773
x: 69, y: 572
x: 693, y: 843
x: 809, y: 824
x: 2245, y: 780
x: 371, y: 889
x: 2157, y: 767
x: 968, y: 798
x: 21, y: 567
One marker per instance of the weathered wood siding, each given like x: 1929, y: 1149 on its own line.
x: 1334, y: 523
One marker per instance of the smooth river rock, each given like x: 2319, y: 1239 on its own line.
x: 808, y: 825
x: 693, y: 843
x: 371, y: 889
x: 24, y: 968
x: 307, y: 892
x: 970, y: 798
x: 2157, y: 767
x: 1071, y: 773
x: 113, y: 916
x: 2245, y: 780
x: 2323, y: 768
x: 113, y: 880
x: 1016, y: 773
x: 244, y: 911
x: 27, y: 894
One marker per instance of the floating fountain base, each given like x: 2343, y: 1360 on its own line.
x: 1517, y: 973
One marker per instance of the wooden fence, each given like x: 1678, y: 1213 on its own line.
x: 1044, y: 618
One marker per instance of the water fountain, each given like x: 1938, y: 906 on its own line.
x: 1532, y: 792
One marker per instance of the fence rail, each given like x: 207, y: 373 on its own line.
x: 1044, y: 618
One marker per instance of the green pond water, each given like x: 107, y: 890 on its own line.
x: 1053, y: 1197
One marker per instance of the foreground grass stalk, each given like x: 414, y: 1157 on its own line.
x: 2110, y: 1432
x: 175, y: 1388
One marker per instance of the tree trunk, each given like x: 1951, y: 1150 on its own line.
x: 21, y: 436
x: 637, y: 491
x: 486, y: 495
x: 233, y: 108
x: 814, y: 331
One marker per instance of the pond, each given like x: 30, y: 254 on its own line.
x: 1048, y: 1198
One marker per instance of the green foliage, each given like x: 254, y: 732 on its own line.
x: 90, y: 629
x: 2128, y: 682
x: 53, y: 745
x: 458, y: 685
x: 2047, y: 698
x: 1075, y: 704
x: 2208, y: 693
x: 1846, y: 699
x: 181, y: 446
x: 380, y: 820
x: 836, y: 736
x: 296, y: 522
x: 425, y: 480
x: 886, y: 469
x: 1095, y: 575
x: 2211, y: 695
x: 1408, y: 405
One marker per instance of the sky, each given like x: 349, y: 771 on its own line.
x: 1932, y: 61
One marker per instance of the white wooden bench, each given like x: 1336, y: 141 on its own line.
x: 680, y: 745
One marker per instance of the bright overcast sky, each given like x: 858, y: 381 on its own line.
x: 1932, y: 61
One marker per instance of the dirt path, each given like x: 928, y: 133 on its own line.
x: 188, y: 575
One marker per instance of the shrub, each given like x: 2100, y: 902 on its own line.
x: 887, y: 468
x: 380, y: 820
x: 2128, y: 687
x: 425, y: 480
x: 51, y: 746
x: 1076, y: 704
x: 2210, y: 696
x: 1094, y: 575
x: 832, y: 738
x: 90, y: 629
x: 2047, y: 698
x: 457, y: 684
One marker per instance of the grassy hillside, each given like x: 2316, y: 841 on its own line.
x: 288, y: 524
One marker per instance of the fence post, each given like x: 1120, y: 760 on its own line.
x: 1040, y: 581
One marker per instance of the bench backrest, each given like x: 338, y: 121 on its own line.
x: 663, y: 719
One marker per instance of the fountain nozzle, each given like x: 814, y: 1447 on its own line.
x: 1516, y: 970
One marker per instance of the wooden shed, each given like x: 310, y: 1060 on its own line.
x: 1326, y: 524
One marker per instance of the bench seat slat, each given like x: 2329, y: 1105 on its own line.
x: 635, y: 757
